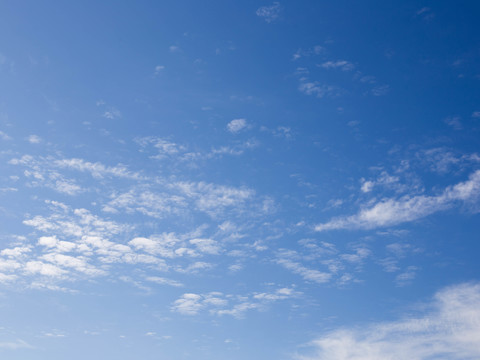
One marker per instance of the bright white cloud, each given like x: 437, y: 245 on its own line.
x: 389, y: 212
x: 188, y: 304
x: 236, y: 125
x: 449, y: 330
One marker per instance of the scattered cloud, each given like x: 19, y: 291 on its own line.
x: 270, y: 13
x: 217, y: 303
x: 164, y: 147
x: 316, y: 50
x: 112, y: 113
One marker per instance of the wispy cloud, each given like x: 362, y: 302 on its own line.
x: 285, y: 259
x: 14, y: 345
x: 4, y: 136
x: 339, y: 64
x: 454, y: 122
x: 316, y: 50
x: 449, y: 330
x: 389, y: 212
x: 425, y: 13
x: 380, y: 90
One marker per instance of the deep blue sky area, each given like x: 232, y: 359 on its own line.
x: 294, y: 180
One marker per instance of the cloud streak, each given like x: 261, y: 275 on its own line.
x: 390, y: 212
x: 450, y: 330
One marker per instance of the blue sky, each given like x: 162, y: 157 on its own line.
x: 239, y: 180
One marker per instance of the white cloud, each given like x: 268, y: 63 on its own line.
x: 97, y: 170
x: 319, y: 90
x: 188, y: 304
x: 389, y: 212
x: 195, y: 268
x: 269, y: 13
x: 13, y: 345
x: 163, y: 146
x: 34, y: 139
x: 167, y: 149
x: 406, y: 277
x: 339, y: 64
x: 159, y: 69
x: 217, y: 303
x: 367, y: 186
x: 45, y: 171
x: 236, y: 125
x: 154, y: 204
x: 384, y: 180
x: 308, y: 274
x: 449, y: 330
x: 7, y: 278
x: 380, y: 90
x: 317, y: 49
x: 163, y: 281
x: 214, y: 199
x: 38, y: 267
x: 163, y: 245
x: 207, y: 246
x: 112, y: 113
x: 454, y: 122
x: 4, y: 136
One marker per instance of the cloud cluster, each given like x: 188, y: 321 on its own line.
x: 217, y: 303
